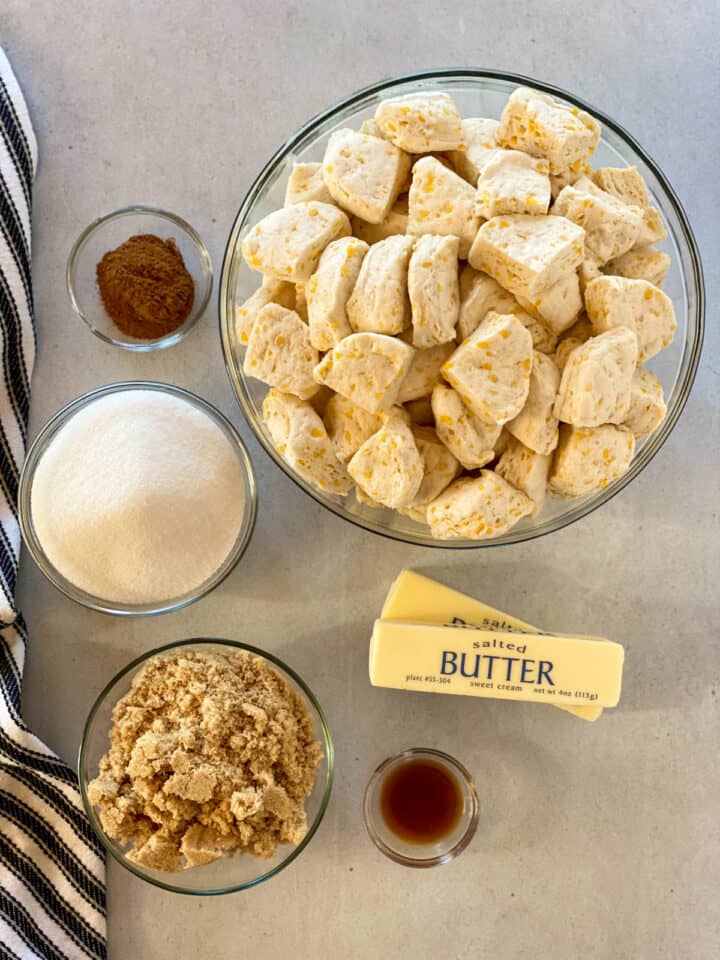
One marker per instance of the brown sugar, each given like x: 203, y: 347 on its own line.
x: 210, y: 754
x: 146, y: 287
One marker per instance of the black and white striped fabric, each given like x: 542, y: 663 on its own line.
x: 52, y: 868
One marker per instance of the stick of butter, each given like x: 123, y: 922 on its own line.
x: 493, y: 663
x: 413, y: 597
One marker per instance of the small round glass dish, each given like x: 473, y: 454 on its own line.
x: 389, y: 840
x: 478, y: 93
x: 227, y: 874
x: 108, y: 232
x: 101, y: 604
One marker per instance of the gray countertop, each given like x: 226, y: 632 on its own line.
x: 600, y: 841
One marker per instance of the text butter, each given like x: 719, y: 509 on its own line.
x: 413, y: 597
x: 487, y: 663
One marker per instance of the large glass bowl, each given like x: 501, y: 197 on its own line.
x: 477, y: 93
x: 228, y: 874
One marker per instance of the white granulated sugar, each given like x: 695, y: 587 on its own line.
x: 138, y: 498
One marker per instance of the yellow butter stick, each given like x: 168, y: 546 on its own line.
x: 414, y: 597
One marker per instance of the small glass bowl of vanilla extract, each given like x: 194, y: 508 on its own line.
x: 421, y: 808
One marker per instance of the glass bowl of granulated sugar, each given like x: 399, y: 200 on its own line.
x: 137, y: 498
x: 206, y: 766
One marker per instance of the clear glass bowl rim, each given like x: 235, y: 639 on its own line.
x: 199, y: 306
x: 33, y: 545
x: 414, y: 753
x: 225, y: 318
x: 327, y: 745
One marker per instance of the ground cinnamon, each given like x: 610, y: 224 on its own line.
x: 146, y: 287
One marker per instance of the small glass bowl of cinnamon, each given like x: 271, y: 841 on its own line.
x: 140, y: 278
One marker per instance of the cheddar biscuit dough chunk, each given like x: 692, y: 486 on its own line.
x: 513, y: 182
x: 395, y: 222
x: 348, y: 426
x: 536, y: 425
x: 588, y: 459
x: 563, y: 351
x: 479, y: 294
x: 647, y: 403
x: 652, y: 229
x: 526, y: 254
x: 300, y: 438
x: 424, y: 372
x: 588, y: 270
x: 287, y: 243
x: 441, y: 203
x: 271, y: 291
x: 477, y: 508
x: 364, y: 173
x: 328, y: 291
x: 625, y: 183
x: 434, y: 290
x: 470, y: 440
x: 367, y: 368
x: 421, y: 122
x: 305, y: 184
x: 379, y: 301
x: 279, y: 352
x: 479, y: 135
x: 537, y: 124
x: 565, y: 178
x: 388, y: 466
x: 525, y: 470
x: 491, y: 369
x: 440, y: 467
x: 641, y: 263
x: 558, y: 306
x: 611, y: 227
x: 621, y: 302
x: 595, y: 384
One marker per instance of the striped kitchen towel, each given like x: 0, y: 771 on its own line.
x: 52, y: 868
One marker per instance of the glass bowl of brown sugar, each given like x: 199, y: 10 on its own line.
x: 140, y: 278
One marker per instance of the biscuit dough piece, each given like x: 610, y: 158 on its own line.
x: 287, y: 243
x: 558, y: 181
x: 641, y: 263
x: 581, y: 330
x: 595, y: 385
x: 328, y: 291
x: 589, y: 459
x: 621, y: 302
x: 525, y: 470
x: 537, y: 124
x: 652, y: 229
x: 367, y: 368
x: 279, y: 352
x: 491, y: 369
x: 611, y: 227
x: 424, y: 372
x: 526, y: 254
x: 536, y: 425
x: 306, y: 183
x: 421, y: 122
x: 647, y: 403
x: 395, y: 222
x: 301, y: 439
x: 477, y: 508
x: 348, y: 426
x: 388, y: 466
x: 441, y: 203
x: 434, y: 290
x: 379, y: 301
x: 440, y: 466
x: 559, y: 306
x: 479, y: 135
x: 364, y: 173
x: 471, y: 441
x: 625, y: 183
x: 479, y: 294
x: 544, y: 340
x: 563, y: 351
x: 588, y: 270
x: 513, y: 182
x: 271, y: 291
